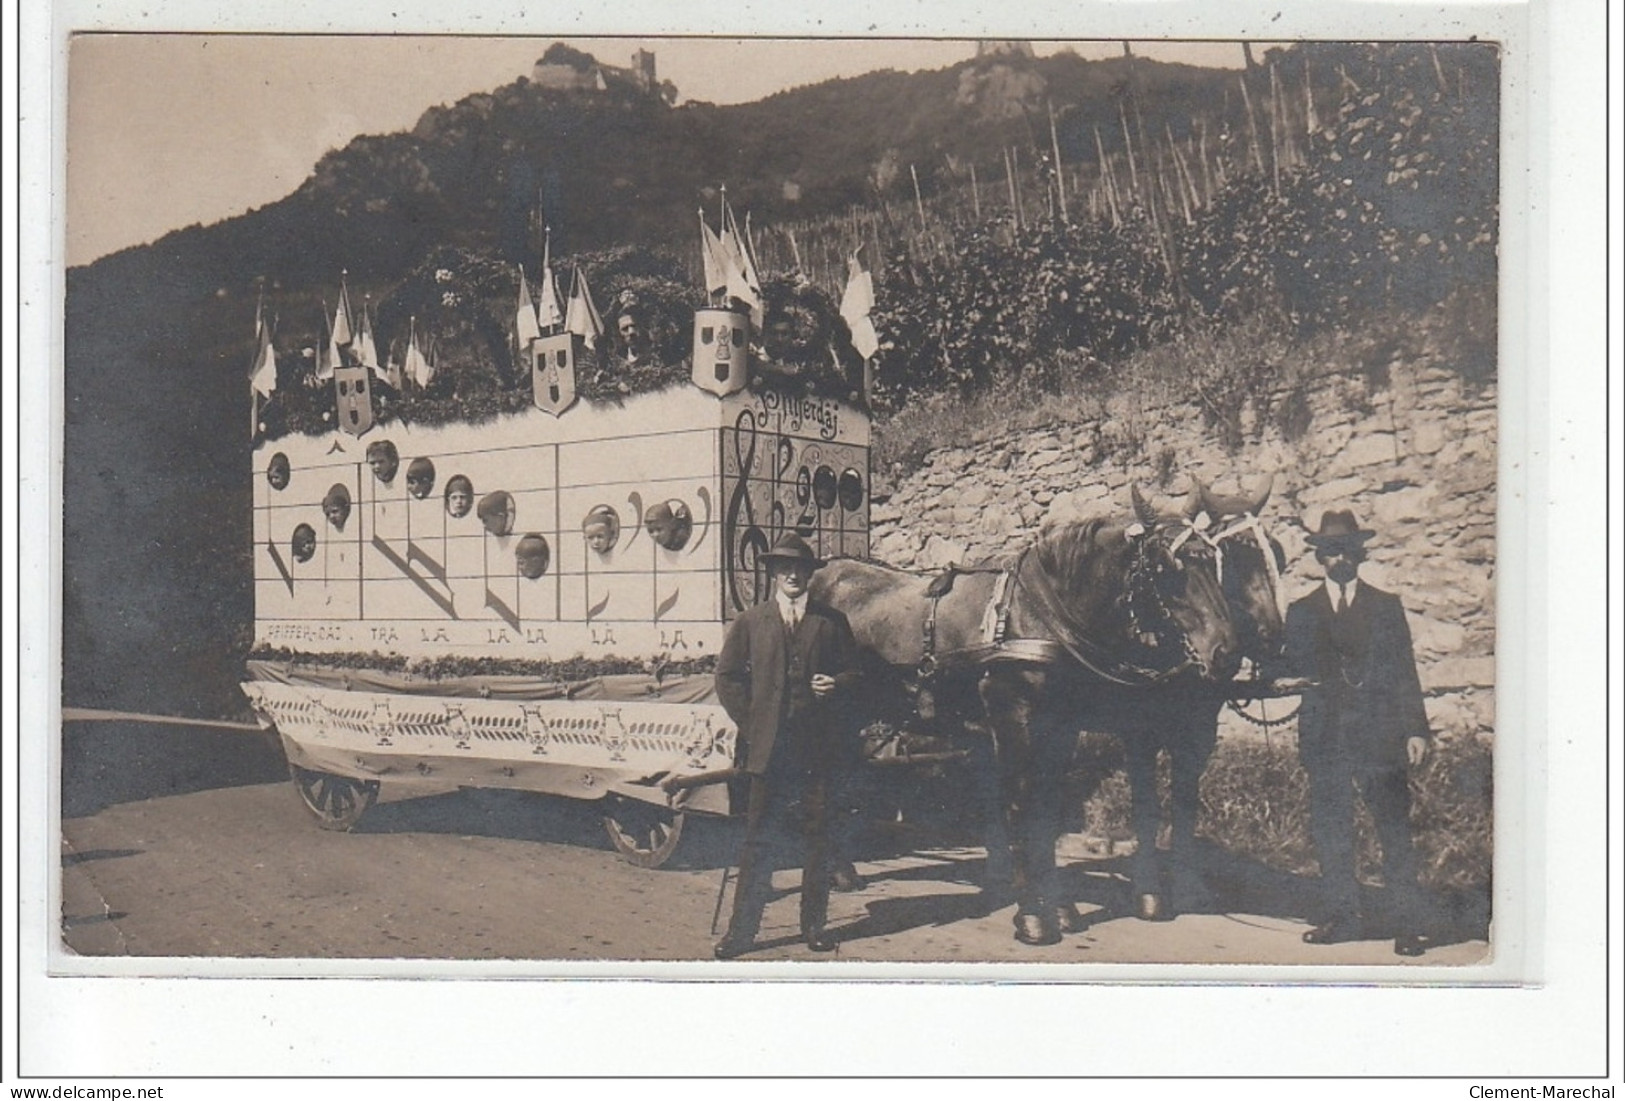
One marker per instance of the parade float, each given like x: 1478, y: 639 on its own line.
x: 534, y: 601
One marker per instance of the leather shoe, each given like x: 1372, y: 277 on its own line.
x: 1409, y: 944
x: 846, y: 879
x: 1152, y: 907
x: 1037, y: 929
x: 1335, y: 931
x: 1068, y: 919
x: 732, y: 947
x: 820, y: 942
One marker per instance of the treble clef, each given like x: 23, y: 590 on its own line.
x: 745, y: 539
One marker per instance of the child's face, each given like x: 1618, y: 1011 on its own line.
x: 499, y: 520
x: 599, y: 539
x: 459, y: 501
x: 383, y: 465
x: 419, y: 483
x: 531, y: 557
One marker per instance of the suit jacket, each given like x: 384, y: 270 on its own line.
x: 1367, y: 701
x: 780, y: 721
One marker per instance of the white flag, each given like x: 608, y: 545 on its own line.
x: 548, y: 310
x: 742, y: 281
x: 582, y: 317
x: 263, y: 377
x: 327, y: 355
x: 856, y: 303
x: 417, y: 368
x: 366, y: 349
x: 342, y: 333
x: 549, y: 313
x: 716, y: 261
x: 525, y: 328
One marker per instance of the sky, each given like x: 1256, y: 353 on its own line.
x: 169, y: 130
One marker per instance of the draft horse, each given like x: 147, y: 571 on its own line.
x: 1180, y: 716
x: 1090, y: 604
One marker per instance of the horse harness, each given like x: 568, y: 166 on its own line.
x: 996, y: 646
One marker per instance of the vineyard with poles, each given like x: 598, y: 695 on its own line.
x: 1357, y: 178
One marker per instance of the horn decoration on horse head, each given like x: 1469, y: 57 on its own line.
x: 1239, y: 505
x: 1191, y: 514
x: 1143, y: 512
x: 1246, y: 510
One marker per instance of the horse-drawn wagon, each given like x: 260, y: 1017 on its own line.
x: 533, y: 602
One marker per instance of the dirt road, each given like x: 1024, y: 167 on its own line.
x: 243, y: 871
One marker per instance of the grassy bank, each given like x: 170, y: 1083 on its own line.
x: 1255, y: 803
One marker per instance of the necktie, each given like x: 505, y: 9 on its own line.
x: 1342, y: 598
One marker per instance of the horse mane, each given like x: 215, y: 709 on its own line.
x: 1068, y: 549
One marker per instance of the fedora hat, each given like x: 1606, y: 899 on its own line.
x: 793, y: 548
x: 1339, y: 526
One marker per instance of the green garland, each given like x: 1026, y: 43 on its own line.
x: 567, y: 671
x: 467, y: 299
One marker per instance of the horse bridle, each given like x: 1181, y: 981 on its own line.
x: 1247, y: 523
x: 1143, y: 582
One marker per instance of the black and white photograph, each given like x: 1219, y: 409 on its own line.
x: 747, y: 507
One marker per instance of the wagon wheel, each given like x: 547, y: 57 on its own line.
x: 338, y: 802
x: 644, y: 834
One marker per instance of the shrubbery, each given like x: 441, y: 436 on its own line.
x: 1255, y: 803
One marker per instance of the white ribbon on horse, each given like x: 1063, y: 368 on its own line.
x: 1251, y: 524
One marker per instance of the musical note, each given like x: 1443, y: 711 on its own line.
x: 635, y: 499
x: 415, y: 553
x: 667, y: 604
x: 441, y: 600
x: 704, y: 495
x: 496, y: 604
x: 281, y: 565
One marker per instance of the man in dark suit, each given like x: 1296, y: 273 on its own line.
x: 784, y: 666
x: 1361, y: 728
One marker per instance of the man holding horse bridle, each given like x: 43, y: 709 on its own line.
x: 1362, y: 726
x: 784, y: 667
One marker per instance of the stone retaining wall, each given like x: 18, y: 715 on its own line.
x: 1413, y: 454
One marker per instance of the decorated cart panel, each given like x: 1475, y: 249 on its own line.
x: 453, y: 555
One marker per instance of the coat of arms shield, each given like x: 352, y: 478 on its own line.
x: 721, y: 351
x: 553, y: 372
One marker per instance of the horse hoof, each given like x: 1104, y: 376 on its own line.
x: 1152, y: 907
x: 1068, y: 920
x: 1034, y: 929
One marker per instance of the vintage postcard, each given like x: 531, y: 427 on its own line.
x: 760, y: 506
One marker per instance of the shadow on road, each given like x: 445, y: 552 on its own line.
x: 70, y: 860
x: 1234, y: 884
x: 707, y: 842
x: 106, y: 763
x: 1240, y: 884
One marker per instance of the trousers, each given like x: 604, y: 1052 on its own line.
x: 1386, y: 793
x: 786, y: 815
